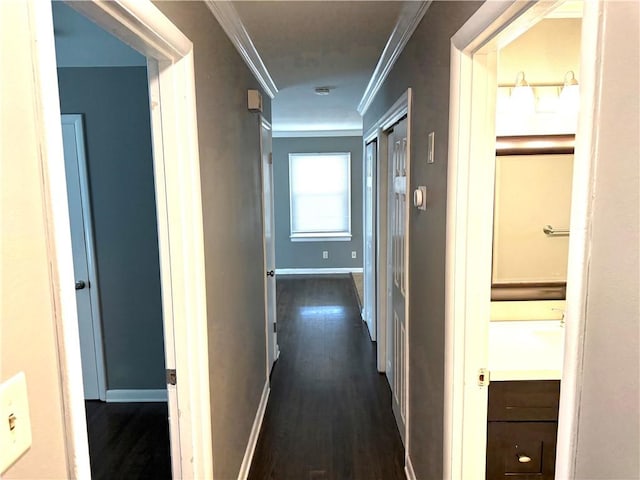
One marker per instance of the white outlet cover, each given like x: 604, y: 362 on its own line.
x: 354, y: 254
x: 14, y: 442
x: 325, y: 254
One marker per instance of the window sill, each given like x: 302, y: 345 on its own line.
x: 315, y: 237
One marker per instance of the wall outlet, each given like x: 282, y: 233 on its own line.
x: 325, y: 254
x: 354, y: 254
x: 15, y: 424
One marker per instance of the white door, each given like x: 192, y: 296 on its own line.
x: 269, y: 244
x: 397, y: 272
x: 370, y: 238
x: 87, y: 294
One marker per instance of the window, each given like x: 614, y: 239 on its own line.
x: 320, y: 196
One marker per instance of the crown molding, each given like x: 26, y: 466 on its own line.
x: 231, y: 23
x: 408, y: 20
x: 316, y: 133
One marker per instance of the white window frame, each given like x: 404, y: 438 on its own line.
x: 320, y: 236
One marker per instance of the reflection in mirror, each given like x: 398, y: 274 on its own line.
x: 532, y: 207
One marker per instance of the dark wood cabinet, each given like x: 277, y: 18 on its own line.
x: 522, y: 429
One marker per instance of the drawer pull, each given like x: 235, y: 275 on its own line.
x: 523, y: 458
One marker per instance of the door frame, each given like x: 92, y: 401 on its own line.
x: 180, y: 232
x: 470, y: 165
x: 401, y: 108
x: 369, y: 313
x: 77, y: 120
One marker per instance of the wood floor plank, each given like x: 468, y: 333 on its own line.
x: 128, y: 440
x: 329, y: 413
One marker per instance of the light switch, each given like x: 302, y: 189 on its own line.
x: 15, y: 424
x: 431, y: 147
x: 354, y: 254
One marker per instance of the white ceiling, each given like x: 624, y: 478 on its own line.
x: 306, y: 44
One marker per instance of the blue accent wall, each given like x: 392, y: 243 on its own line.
x: 115, y: 105
x: 309, y: 254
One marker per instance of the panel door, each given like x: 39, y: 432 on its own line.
x: 269, y: 244
x: 370, y: 213
x: 86, y: 288
x: 397, y: 245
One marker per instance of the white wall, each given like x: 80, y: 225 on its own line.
x: 609, y: 423
x: 545, y: 53
x: 27, y: 329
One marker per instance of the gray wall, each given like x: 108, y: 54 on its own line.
x: 608, y: 419
x: 115, y: 105
x: 424, y: 66
x: 229, y: 144
x: 309, y: 254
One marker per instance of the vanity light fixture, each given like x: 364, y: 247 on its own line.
x: 523, y: 100
x: 570, y: 94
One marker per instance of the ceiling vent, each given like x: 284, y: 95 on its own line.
x: 323, y: 90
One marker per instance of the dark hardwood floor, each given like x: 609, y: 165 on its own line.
x: 128, y: 440
x: 329, y: 413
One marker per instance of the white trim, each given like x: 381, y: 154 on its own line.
x: 140, y: 395
x: 58, y: 232
x: 313, y: 237
x: 582, y: 198
x: 398, y: 110
x: 227, y: 15
x: 408, y: 469
x: 408, y: 20
x: 255, y: 433
x: 87, y: 221
x: 316, y: 133
x: 317, y: 271
x: 141, y: 25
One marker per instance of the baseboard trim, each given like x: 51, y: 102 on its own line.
x: 255, y: 433
x: 142, y: 395
x: 316, y: 271
x: 408, y: 469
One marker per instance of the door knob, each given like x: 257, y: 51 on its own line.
x: 271, y: 273
x: 524, y: 458
x: 80, y: 284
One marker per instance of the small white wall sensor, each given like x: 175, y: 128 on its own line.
x: 420, y: 198
x: 254, y: 101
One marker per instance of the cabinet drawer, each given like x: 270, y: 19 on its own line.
x: 521, y: 450
x: 535, y: 400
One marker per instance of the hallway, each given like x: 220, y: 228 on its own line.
x: 329, y: 412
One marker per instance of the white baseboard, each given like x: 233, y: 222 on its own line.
x: 255, y: 432
x: 408, y: 469
x: 316, y: 271
x: 119, y: 396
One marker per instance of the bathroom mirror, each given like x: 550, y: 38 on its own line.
x: 532, y: 206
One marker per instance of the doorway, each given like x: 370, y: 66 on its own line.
x: 268, y: 227
x: 180, y: 236
x: 84, y: 265
x: 387, y: 145
x: 470, y: 232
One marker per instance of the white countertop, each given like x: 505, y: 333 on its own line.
x: 526, y: 350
